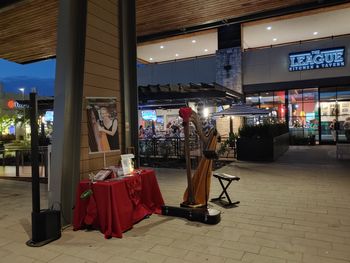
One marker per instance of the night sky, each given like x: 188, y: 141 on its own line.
x: 40, y: 75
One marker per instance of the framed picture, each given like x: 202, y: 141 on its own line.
x: 102, y: 124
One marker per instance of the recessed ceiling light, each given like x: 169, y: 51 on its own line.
x: 176, y: 55
x: 274, y: 39
x: 194, y: 41
x: 315, y: 33
x: 269, y: 27
x: 162, y: 46
x: 206, y: 50
x: 150, y: 59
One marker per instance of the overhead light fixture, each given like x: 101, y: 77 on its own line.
x: 205, y: 50
x: 269, y: 27
x: 194, y: 41
x: 176, y: 55
x: 274, y: 39
x: 161, y: 46
x: 315, y: 33
x: 150, y: 59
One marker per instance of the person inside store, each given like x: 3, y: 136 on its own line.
x: 109, y: 126
x: 141, y: 132
x: 333, y: 128
x: 346, y: 127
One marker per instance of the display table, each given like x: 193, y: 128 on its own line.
x: 115, y: 206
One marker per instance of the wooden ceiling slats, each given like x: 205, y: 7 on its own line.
x: 160, y: 16
x: 28, y: 31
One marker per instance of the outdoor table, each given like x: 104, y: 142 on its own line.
x: 115, y: 206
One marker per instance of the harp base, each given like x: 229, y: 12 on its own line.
x: 204, y: 215
x: 189, y: 205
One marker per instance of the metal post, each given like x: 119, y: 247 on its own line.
x: 34, y: 154
x: 17, y: 162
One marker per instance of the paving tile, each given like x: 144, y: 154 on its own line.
x: 318, y: 259
x: 238, y: 245
x: 335, y: 254
x: 203, y: 257
x: 169, y: 251
x: 279, y: 253
x: 39, y: 253
x: 119, y: 259
x: 254, y: 258
x: 147, y: 257
x: 13, y: 258
x: 258, y: 241
x: 67, y: 258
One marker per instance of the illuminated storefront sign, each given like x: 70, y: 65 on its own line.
x: 12, y: 104
x: 317, y: 59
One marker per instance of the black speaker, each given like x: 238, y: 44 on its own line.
x: 46, y: 227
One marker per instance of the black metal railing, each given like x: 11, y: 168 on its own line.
x: 168, y: 147
x: 22, y: 157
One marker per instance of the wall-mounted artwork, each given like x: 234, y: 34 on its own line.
x: 102, y: 124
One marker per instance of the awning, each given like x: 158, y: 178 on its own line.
x: 212, y: 94
x: 241, y: 110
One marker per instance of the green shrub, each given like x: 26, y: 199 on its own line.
x: 230, y: 142
x: 262, y: 130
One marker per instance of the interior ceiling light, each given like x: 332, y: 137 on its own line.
x: 274, y: 40
x: 176, y: 55
x: 150, y: 59
x: 269, y: 28
x: 205, y: 50
x: 194, y: 41
x: 315, y: 33
x: 161, y: 46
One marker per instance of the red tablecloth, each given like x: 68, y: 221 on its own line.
x: 116, y: 205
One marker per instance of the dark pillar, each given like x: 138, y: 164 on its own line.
x: 129, y: 75
x: 65, y: 169
x: 34, y: 154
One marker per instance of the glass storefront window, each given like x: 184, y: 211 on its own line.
x: 295, y: 96
x: 343, y: 93
x: 335, y: 105
x: 266, y: 100
x: 303, y: 112
x: 279, y: 99
x: 328, y: 94
x: 310, y: 110
x: 252, y: 99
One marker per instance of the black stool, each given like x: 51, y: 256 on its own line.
x: 229, y: 178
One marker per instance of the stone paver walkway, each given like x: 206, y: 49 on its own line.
x: 294, y: 210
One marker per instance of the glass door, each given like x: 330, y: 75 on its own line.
x: 329, y: 121
x: 335, y: 108
x: 303, y: 112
